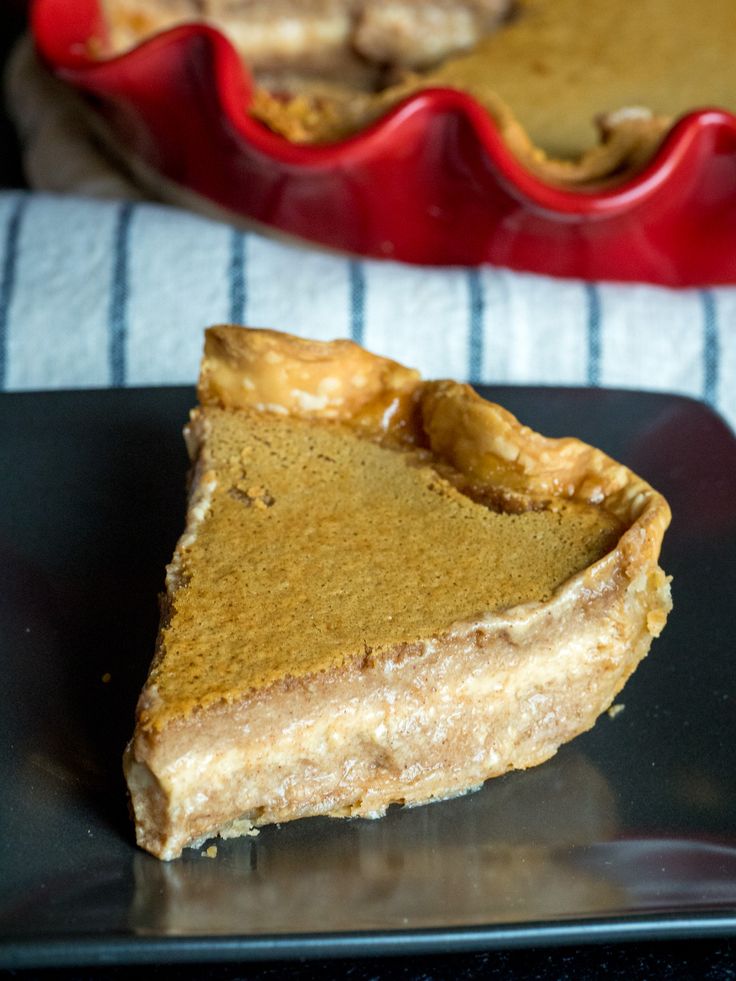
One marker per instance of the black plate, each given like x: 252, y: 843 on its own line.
x: 630, y: 831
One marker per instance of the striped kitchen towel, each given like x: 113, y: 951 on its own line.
x: 110, y: 293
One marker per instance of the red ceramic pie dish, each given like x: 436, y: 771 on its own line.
x: 430, y: 183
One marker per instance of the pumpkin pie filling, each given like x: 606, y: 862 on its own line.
x: 388, y: 590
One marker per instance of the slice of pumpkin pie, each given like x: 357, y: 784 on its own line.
x: 387, y: 591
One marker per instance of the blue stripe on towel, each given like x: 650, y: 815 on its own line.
x: 237, y: 277
x: 7, y: 278
x: 118, y: 310
x: 710, y: 347
x: 593, y: 298
x: 476, y: 309
x: 357, y: 301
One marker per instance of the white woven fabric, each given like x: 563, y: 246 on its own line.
x: 97, y: 293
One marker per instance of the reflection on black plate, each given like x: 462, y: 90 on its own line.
x: 630, y: 830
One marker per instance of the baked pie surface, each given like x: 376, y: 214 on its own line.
x: 388, y: 590
x: 581, y: 92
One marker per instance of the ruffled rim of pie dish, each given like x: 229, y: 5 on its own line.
x: 630, y: 138
x: 440, y: 151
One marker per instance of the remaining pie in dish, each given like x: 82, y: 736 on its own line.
x: 387, y: 591
x: 579, y: 91
x: 342, y: 40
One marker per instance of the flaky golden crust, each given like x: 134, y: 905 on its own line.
x: 274, y: 372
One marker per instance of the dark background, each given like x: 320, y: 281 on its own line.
x: 11, y: 25
x: 714, y: 960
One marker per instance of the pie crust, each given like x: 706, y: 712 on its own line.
x: 387, y: 591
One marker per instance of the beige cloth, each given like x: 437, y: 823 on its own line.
x: 59, y: 148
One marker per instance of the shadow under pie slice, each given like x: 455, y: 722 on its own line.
x: 387, y: 591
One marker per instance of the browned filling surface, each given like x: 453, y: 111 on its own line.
x: 320, y: 545
x: 562, y: 63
